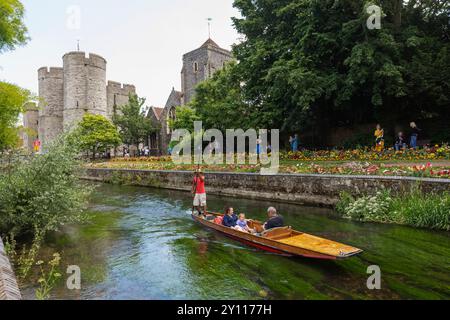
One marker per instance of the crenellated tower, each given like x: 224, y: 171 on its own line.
x: 84, y: 87
x: 51, y: 105
x: 79, y: 87
x: 118, y: 95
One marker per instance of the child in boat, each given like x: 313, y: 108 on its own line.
x: 242, y: 225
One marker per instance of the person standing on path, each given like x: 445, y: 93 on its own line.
x: 414, y: 135
x: 295, y: 142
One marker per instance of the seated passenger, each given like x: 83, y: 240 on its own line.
x: 275, y: 220
x: 230, y: 218
x: 242, y: 224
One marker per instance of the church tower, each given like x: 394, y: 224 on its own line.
x: 201, y: 64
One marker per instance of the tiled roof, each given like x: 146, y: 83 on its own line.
x: 211, y: 43
x: 158, y: 112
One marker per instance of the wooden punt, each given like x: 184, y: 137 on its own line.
x: 283, y: 241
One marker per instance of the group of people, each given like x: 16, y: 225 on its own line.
x: 401, y: 142
x: 230, y: 219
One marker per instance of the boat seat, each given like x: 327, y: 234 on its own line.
x: 277, y: 233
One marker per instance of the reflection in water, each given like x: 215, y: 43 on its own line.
x: 142, y: 244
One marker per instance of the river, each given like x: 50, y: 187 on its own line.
x: 141, y: 243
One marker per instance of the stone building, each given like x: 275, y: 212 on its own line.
x: 67, y: 93
x: 80, y: 86
x: 31, y: 123
x: 198, y: 65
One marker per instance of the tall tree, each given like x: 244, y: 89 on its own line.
x: 12, y: 98
x: 133, y: 126
x: 96, y: 134
x: 13, y: 31
x: 314, y: 64
x: 12, y: 101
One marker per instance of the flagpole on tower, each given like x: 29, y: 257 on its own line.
x: 78, y: 45
x: 209, y: 27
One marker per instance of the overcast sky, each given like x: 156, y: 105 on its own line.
x: 142, y: 40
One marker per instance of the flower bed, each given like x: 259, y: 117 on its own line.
x: 351, y: 168
x: 429, y: 153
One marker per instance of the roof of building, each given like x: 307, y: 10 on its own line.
x: 210, y: 42
x: 157, y: 112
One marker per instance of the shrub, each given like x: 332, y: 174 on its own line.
x: 425, y: 210
x: 43, y: 193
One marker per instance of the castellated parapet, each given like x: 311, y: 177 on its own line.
x: 51, y: 105
x: 118, y: 95
x: 84, y: 87
x: 80, y: 87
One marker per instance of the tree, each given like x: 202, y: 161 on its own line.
x: 219, y: 102
x: 185, y: 118
x: 133, y: 126
x: 315, y: 65
x: 13, y: 32
x: 12, y: 98
x: 43, y: 193
x: 96, y: 134
x: 12, y: 102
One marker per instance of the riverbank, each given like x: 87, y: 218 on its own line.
x: 392, y: 168
x: 306, y: 189
x: 9, y: 290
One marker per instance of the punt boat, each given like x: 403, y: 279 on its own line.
x: 283, y: 241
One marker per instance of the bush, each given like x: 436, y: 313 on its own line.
x: 43, y: 193
x: 416, y: 209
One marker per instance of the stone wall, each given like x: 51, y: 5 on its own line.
x: 9, y: 289
x: 31, y: 122
x: 201, y: 64
x: 84, y: 87
x: 322, y: 190
x: 51, y: 91
x: 118, y: 95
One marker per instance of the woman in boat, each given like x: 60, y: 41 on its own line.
x: 275, y: 220
x: 230, y: 218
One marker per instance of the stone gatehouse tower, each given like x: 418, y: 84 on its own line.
x: 78, y: 87
x: 198, y: 65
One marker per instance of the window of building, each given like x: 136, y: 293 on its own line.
x: 153, y: 141
x: 195, y: 66
x: 171, y: 117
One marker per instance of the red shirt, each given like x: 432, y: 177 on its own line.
x: 200, y: 185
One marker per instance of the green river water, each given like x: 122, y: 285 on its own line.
x: 142, y: 244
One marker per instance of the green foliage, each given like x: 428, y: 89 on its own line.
x: 425, y: 210
x: 314, y: 65
x: 96, y: 134
x: 134, y: 128
x: 219, y: 102
x: 43, y: 193
x: 185, y: 118
x: 13, y: 32
x: 358, y: 141
x: 12, y: 101
x: 48, y: 278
